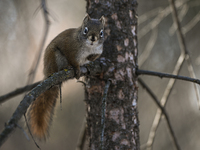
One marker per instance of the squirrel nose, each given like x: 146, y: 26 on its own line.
x: 93, y: 38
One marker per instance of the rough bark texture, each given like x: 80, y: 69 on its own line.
x: 120, y: 47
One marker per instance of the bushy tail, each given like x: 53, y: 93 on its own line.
x: 41, y: 112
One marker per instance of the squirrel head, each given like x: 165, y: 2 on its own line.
x: 92, y: 30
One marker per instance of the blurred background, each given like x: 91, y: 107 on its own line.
x: 21, y: 30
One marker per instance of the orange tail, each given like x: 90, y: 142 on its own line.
x: 41, y: 112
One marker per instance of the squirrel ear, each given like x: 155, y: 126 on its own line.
x: 102, y: 19
x: 86, y: 18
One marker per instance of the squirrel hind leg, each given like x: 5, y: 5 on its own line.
x: 41, y: 112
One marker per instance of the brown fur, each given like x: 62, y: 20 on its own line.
x: 70, y: 48
x: 41, y: 112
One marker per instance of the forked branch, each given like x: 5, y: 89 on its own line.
x: 92, y: 69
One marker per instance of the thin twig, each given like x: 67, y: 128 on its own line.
x: 30, y: 132
x: 103, y: 113
x: 192, y: 74
x: 194, y: 21
x: 83, y: 133
x: 18, y: 91
x: 166, y: 75
x: 148, y: 48
x: 41, y: 47
x: 164, y: 100
x: 156, y: 21
x: 163, y: 111
x: 183, y: 47
x: 23, y: 132
x: 183, y: 12
x: 82, y: 137
x: 176, y: 20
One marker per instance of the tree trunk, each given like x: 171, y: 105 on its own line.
x: 120, y: 48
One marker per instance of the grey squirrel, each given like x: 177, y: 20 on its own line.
x: 72, y: 47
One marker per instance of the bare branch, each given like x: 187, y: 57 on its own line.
x: 183, y: 47
x: 18, y: 91
x: 192, y: 23
x: 164, y: 99
x: 92, y: 69
x: 192, y: 74
x: 166, y: 94
x: 161, y: 14
x: 82, y: 137
x: 166, y: 75
x: 179, y: 33
x: 30, y: 132
x: 148, y: 48
x: 163, y: 111
x: 26, y: 135
x: 41, y: 47
x: 182, y: 14
x: 149, y: 14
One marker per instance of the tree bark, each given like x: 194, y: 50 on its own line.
x: 120, y: 48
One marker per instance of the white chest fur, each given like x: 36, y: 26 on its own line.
x: 87, y: 50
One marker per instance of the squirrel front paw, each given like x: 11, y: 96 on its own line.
x: 77, y: 72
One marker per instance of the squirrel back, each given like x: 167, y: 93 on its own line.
x: 72, y: 47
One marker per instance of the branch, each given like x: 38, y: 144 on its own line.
x: 91, y: 69
x: 169, y: 87
x: 163, y: 111
x: 39, y: 53
x: 148, y: 48
x: 82, y: 137
x: 164, y: 99
x: 183, y: 47
x: 18, y: 91
x: 166, y: 75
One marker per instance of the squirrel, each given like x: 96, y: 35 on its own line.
x: 71, y: 48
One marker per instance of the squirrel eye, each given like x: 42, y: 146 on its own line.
x: 101, y: 33
x: 85, y: 31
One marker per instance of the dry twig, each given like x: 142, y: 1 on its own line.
x: 163, y: 101
x: 41, y: 47
x: 166, y: 75
x: 163, y: 111
x: 82, y: 137
x: 18, y: 91
x: 184, y: 55
x: 183, y: 47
